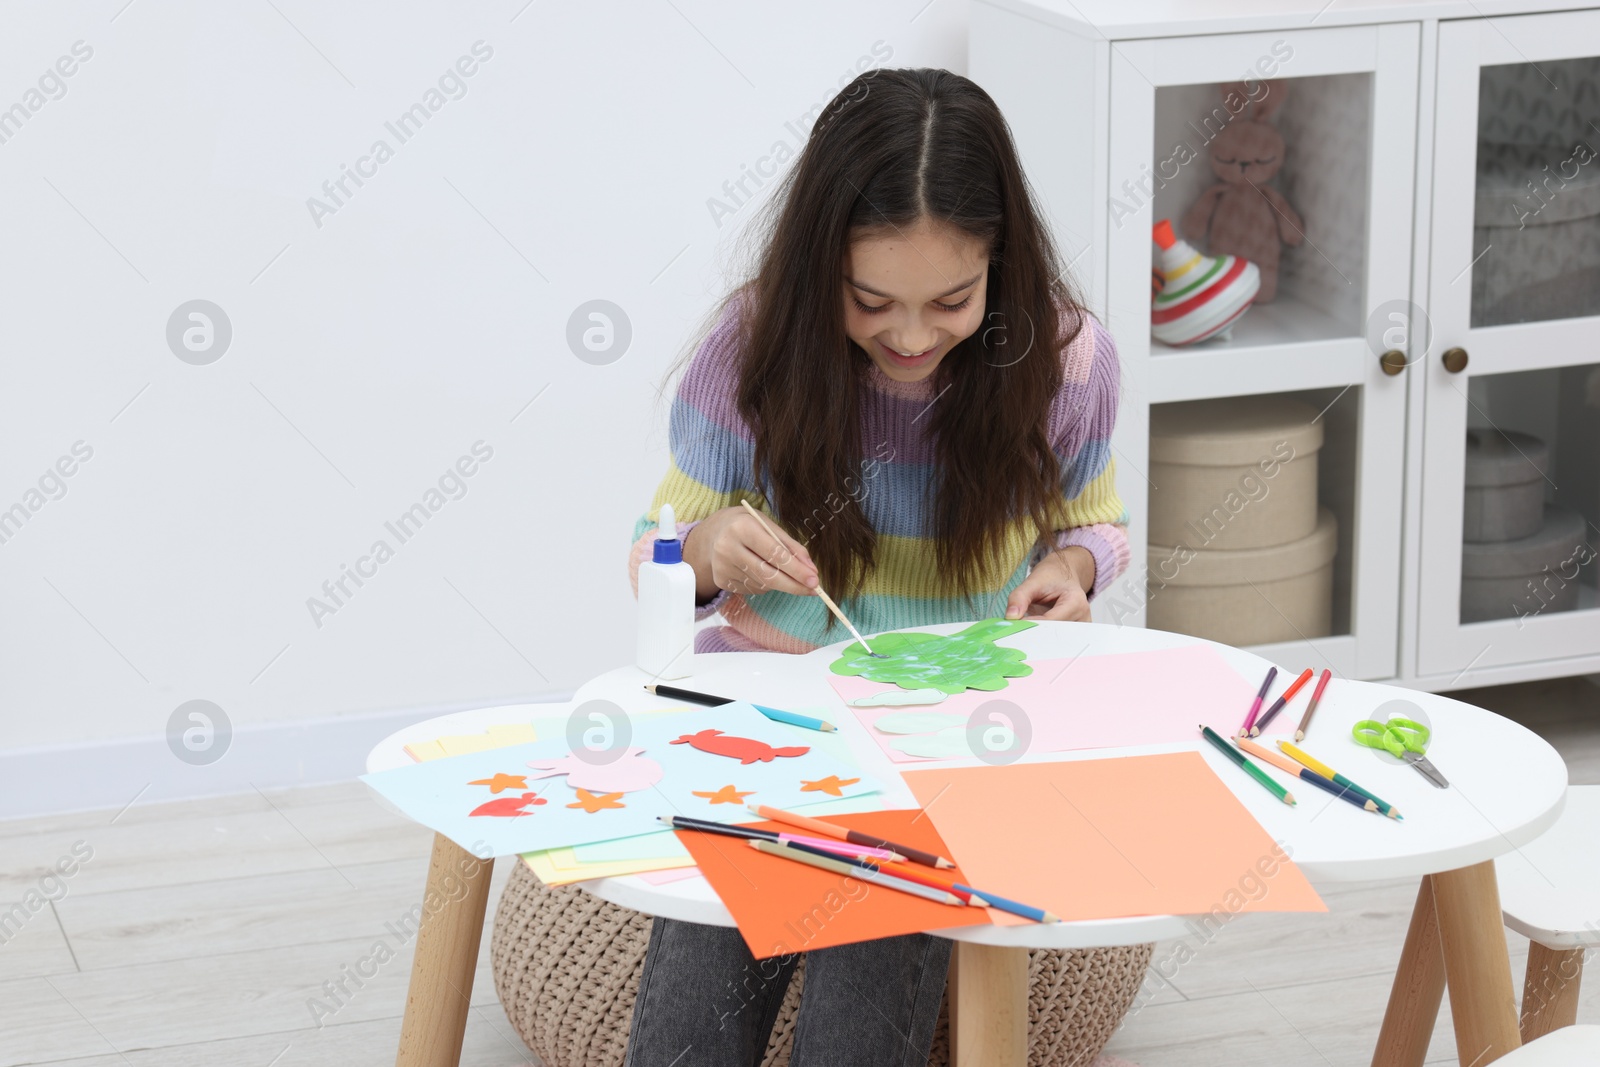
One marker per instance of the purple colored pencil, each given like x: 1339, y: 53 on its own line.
x: 1255, y: 705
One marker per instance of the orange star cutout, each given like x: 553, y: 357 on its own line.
x: 726, y: 795
x: 501, y: 782
x: 831, y: 785
x: 591, y: 803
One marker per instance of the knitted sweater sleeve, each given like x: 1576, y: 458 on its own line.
x: 711, y: 449
x: 1081, y: 421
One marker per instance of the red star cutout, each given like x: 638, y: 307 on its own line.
x: 832, y: 785
x: 726, y: 795
x: 591, y: 803
x: 501, y: 782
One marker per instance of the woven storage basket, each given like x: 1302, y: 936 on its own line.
x: 566, y: 967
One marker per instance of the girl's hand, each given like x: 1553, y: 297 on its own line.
x: 1055, y: 588
x: 730, y: 550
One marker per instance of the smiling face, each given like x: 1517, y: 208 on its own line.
x: 913, y: 294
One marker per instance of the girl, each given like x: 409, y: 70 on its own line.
x: 912, y: 392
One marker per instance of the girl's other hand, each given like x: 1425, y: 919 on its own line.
x: 731, y: 550
x: 1055, y: 588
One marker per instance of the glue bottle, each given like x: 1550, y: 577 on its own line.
x: 666, y: 605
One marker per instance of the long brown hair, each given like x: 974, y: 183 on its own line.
x: 894, y: 147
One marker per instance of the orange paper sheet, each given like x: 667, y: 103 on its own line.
x: 1108, y: 838
x: 782, y: 906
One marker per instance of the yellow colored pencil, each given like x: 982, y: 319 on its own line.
x: 1316, y: 766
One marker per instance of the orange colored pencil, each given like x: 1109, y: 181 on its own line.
x: 1283, y: 763
x: 855, y: 837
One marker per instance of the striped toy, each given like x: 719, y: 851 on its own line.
x: 1203, y: 296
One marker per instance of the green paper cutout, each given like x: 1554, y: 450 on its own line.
x: 958, y: 742
x: 951, y: 664
x: 916, y: 722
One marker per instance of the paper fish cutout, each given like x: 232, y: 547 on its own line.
x: 899, y: 698
x: 916, y: 722
x: 591, y: 803
x: 744, y: 749
x: 509, y: 807
x: 501, y: 782
x: 726, y: 795
x: 832, y: 785
x: 628, y: 773
x: 952, y: 664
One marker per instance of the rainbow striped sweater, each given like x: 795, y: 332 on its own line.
x: 711, y: 451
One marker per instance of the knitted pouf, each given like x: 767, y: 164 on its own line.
x: 566, y: 967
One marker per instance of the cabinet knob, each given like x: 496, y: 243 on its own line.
x: 1455, y: 360
x: 1392, y: 362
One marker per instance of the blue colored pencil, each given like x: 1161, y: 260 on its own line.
x: 672, y: 692
x: 1036, y: 914
x: 1012, y: 906
x: 794, y: 719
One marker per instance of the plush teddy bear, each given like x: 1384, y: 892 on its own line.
x: 1244, y: 215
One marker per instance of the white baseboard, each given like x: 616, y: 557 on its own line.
x: 90, y: 775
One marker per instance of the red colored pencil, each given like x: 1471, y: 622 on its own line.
x: 1316, y: 697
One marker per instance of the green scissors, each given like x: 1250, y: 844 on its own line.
x: 1406, y: 739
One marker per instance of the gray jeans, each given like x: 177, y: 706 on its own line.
x: 705, y: 1001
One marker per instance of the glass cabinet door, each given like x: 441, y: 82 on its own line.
x: 1511, y: 469
x: 1293, y: 151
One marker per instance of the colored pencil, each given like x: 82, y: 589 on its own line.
x: 1244, y: 764
x: 1316, y: 697
x: 912, y: 874
x: 976, y: 897
x: 1289, y: 766
x: 855, y: 870
x: 828, y: 829
x: 1255, y: 705
x: 1307, y: 760
x: 840, y: 848
x: 1277, y: 705
x: 672, y: 692
x: 1038, y: 915
x: 826, y: 599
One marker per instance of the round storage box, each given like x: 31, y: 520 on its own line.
x: 1240, y: 472
x: 1530, y: 576
x: 1249, y: 596
x: 1505, y: 485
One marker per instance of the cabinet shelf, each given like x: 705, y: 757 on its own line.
x: 1285, y: 325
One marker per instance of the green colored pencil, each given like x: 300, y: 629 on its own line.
x: 1249, y: 768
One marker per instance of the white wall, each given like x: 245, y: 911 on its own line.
x: 368, y: 352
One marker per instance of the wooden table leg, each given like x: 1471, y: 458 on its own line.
x: 1418, y: 988
x: 1550, y: 990
x: 1476, y: 964
x: 989, y: 1006
x: 453, y: 905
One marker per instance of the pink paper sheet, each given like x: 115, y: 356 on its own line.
x: 676, y: 874
x: 1125, y: 698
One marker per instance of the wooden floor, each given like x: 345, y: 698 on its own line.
x: 203, y: 932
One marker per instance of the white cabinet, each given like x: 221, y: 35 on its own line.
x: 1109, y: 105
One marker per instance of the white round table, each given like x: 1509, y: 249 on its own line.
x: 1506, y: 788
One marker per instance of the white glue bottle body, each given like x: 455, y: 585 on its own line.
x: 666, y: 605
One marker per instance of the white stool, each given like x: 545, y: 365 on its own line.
x: 1570, y: 1046
x: 1550, y: 893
